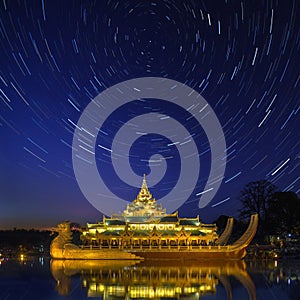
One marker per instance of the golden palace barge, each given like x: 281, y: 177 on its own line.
x: 145, y: 230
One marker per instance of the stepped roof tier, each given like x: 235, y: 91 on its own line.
x: 143, y: 208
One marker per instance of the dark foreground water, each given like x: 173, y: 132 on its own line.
x: 40, y: 278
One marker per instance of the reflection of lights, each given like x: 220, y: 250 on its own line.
x: 101, y: 288
x: 146, y: 283
x: 289, y: 281
x: 275, y: 262
x: 204, y: 288
x: 190, y: 290
x: 22, y: 257
x: 41, y: 260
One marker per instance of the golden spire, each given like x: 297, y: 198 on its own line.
x: 144, y: 184
x: 144, y: 195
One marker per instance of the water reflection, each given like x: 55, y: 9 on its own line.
x: 151, y: 279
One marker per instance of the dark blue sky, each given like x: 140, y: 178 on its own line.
x: 56, y: 56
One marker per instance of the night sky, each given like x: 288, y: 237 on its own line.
x: 242, y: 57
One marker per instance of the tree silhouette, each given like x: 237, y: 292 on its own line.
x: 256, y: 197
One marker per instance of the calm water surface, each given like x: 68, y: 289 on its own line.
x: 41, y: 278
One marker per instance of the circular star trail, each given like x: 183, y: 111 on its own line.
x: 57, y: 56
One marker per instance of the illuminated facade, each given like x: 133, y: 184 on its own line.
x: 145, y: 230
x: 144, y: 224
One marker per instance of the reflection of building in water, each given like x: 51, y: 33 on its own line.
x: 119, y: 279
x: 133, y: 283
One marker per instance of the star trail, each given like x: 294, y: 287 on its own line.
x: 243, y: 57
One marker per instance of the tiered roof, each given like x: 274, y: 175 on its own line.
x: 145, y: 217
x: 144, y: 207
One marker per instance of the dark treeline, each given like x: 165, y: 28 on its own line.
x: 25, y: 239
x: 279, y: 212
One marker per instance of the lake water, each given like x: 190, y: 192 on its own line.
x: 41, y: 278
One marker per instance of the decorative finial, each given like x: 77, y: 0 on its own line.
x: 144, y: 184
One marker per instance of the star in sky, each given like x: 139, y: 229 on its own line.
x: 57, y: 56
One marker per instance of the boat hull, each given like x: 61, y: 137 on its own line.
x: 62, y: 249
x: 220, y: 252
x: 71, y: 251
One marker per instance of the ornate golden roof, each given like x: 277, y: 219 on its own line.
x: 144, y: 196
x: 144, y: 206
